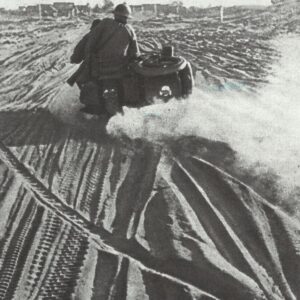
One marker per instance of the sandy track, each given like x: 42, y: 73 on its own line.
x: 213, y: 239
x: 169, y: 225
x: 68, y: 215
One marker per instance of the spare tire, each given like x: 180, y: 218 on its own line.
x: 155, y: 65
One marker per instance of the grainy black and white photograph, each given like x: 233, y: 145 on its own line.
x: 150, y: 150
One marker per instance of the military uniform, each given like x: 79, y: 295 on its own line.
x: 111, y: 46
x: 79, y: 51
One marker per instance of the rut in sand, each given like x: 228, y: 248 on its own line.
x: 84, y: 215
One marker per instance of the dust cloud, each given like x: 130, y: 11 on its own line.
x: 264, y: 129
x: 66, y: 105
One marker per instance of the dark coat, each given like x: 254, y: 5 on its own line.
x: 82, y: 74
x: 104, y: 52
x: 79, y: 51
x: 111, y: 45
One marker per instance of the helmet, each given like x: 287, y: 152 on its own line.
x: 123, y: 10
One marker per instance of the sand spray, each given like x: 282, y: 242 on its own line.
x: 264, y: 129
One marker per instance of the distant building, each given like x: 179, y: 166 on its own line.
x: 22, y: 9
x: 167, y: 9
x: 83, y: 9
x: 48, y: 10
x: 150, y: 8
x: 65, y: 9
x: 137, y: 8
x: 32, y: 10
x: 159, y: 9
x: 57, y: 9
x: 43, y: 10
x: 214, y: 12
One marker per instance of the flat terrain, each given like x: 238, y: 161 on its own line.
x: 84, y: 215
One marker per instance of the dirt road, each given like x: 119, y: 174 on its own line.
x: 87, y: 216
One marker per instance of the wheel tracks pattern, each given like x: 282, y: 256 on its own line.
x: 66, y: 265
x: 77, y: 222
x: 14, y: 262
x: 215, y: 52
x: 86, y: 197
x: 50, y: 230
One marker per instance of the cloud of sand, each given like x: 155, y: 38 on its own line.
x: 66, y: 104
x: 263, y: 129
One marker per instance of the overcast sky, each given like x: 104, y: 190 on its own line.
x: 16, y: 3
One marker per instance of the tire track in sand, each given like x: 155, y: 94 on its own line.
x: 67, y: 214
